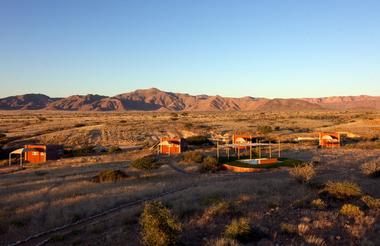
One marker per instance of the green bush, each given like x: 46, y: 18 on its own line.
x: 371, y: 168
x: 239, y: 229
x: 193, y: 156
x: 158, y: 226
x: 109, y: 176
x: 197, y: 140
x: 147, y: 163
x: 341, y: 190
x: 303, y: 174
x: 209, y: 164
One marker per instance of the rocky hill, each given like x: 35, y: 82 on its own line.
x: 157, y: 100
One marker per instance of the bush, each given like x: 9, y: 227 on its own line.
x: 194, y: 156
x: 351, y: 210
x: 371, y: 168
x: 2, y: 135
x: 318, y: 203
x: 341, y: 190
x: 79, y: 125
x: 197, y: 140
x: 209, y: 164
x: 158, y: 226
x: 109, y: 176
x: 264, y: 129
x: 303, y: 174
x: 371, y: 202
x: 148, y: 163
x: 114, y: 149
x: 223, y: 242
x: 238, y: 229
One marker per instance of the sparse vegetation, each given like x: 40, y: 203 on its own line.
x: 342, y: 190
x: 318, y: 203
x: 147, y: 163
x: 303, y: 174
x: 158, y: 226
x: 371, y: 168
x: 264, y: 129
x: 79, y: 125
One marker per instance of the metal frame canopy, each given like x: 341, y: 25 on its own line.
x: 237, y: 147
x: 17, y: 152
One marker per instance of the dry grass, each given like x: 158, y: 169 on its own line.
x: 371, y: 168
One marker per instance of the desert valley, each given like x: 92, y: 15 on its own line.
x: 111, y: 185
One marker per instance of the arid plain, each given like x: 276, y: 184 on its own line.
x: 276, y: 206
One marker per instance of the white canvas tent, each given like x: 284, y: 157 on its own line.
x: 19, y: 152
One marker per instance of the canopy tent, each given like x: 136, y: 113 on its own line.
x: 237, y: 148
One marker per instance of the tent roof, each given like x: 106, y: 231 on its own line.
x: 18, y: 151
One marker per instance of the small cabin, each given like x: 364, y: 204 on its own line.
x: 330, y: 140
x: 38, y: 153
x: 169, y: 146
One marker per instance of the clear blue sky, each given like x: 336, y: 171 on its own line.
x: 267, y: 48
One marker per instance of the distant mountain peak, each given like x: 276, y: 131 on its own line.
x: 153, y: 99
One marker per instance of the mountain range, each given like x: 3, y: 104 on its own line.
x: 156, y: 100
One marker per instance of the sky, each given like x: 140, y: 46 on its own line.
x: 267, y: 48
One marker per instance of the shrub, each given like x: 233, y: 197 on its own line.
x: 314, y: 240
x: 289, y: 228
x: 79, y: 125
x: 371, y: 202
x: 148, y: 163
x: 318, y: 203
x: 109, y: 176
x: 371, y: 168
x: 2, y: 135
x: 303, y: 174
x: 223, y: 242
x: 238, y: 229
x: 209, y: 164
x: 194, y: 156
x: 114, y: 149
x: 351, y: 210
x: 158, y: 226
x: 197, y: 140
x: 341, y: 190
x: 264, y: 129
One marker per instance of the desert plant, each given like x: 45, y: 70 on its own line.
x: 303, y: 174
x: 147, y: 163
x: 264, y: 129
x: 371, y: 168
x: 341, y: 190
x: 109, y: 176
x: 318, y: 203
x: 209, y: 164
x: 223, y: 242
x: 113, y: 149
x: 314, y: 240
x: 158, y: 226
x: 79, y: 125
x: 193, y: 156
x: 289, y: 228
x: 371, y: 202
x: 238, y: 229
x: 351, y: 210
